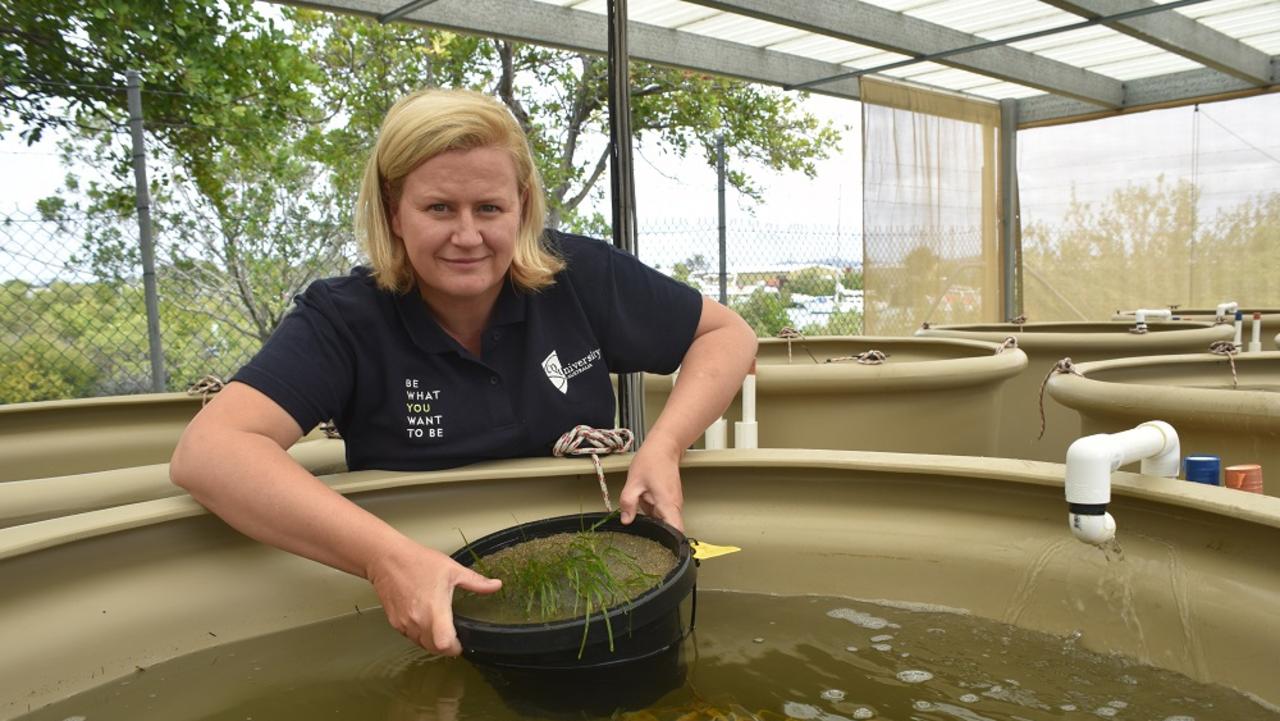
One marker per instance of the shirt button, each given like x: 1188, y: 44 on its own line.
x: 493, y: 380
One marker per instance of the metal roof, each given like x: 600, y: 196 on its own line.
x: 1148, y: 56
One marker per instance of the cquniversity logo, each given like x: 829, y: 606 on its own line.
x: 551, y: 366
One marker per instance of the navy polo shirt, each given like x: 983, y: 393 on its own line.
x: 406, y: 396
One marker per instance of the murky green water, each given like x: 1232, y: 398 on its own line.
x: 755, y: 657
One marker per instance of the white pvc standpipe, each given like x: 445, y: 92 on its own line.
x: 746, y: 432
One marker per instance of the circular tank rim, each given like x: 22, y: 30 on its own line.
x: 1212, y: 312
x: 985, y: 366
x: 1171, y: 336
x: 1172, y: 403
x: 1246, y: 507
x: 72, y: 404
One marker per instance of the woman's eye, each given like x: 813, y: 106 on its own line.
x: 437, y: 208
x: 490, y: 208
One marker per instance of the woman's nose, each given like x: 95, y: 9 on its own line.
x: 467, y: 232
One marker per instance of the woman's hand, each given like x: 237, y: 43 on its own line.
x: 653, y: 483
x: 416, y: 586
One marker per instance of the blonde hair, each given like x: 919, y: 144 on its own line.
x: 421, y: 126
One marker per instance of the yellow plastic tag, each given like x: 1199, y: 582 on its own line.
x: 703, y: 550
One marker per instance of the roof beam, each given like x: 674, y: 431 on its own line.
x: 581, y: 31
x: 1179, y: 34
x: 867, y: 24
x: 1182, y: 88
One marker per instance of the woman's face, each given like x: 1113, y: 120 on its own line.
x: 459, y: 218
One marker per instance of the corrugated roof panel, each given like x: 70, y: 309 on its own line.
x: 670, y: 13
x: 1000, y: 91
x: 1268, y: 43
x: 742, y: 29
x: 1146, y: 67
x: 832, y: 50
x: 992, y: 20
x: 876, y: 59
x: 940, y: 76
x: 1244, y: 23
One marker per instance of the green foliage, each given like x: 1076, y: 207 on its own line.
x: 765, y: 312
x: 851, y: 279
x: 811, y: 281
x: 1146, y: 246
x: 257, y: 133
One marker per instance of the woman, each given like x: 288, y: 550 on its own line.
x: 474, y: 335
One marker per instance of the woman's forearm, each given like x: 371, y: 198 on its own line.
x: 249, y: 481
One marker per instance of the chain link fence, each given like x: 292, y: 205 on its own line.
x: 808, y: 278
x: 73, y: 319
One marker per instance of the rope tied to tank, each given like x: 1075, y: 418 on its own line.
x: 329, y: 429
x: 1228, y: 349
x: 871, y: 357
x: 1009, y: 343
x: 791, y: 334
x: 206, y: 388
x: 584, y: 440
x: 1019, y: 321
x: 1063, y: 366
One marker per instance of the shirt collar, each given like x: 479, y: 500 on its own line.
x: 427, y: 334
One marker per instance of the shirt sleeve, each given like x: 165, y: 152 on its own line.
x: 645, y: 320
x: 307, y: 365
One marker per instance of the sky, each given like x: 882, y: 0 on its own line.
x: 1230, y: 148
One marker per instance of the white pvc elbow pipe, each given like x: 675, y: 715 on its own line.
x: 1092, y: 459
x: 1225, y: 308
x: 1142, y: 314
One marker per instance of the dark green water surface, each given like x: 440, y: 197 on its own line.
x: 754, y: 657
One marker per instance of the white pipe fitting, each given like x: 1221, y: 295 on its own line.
x: 717, y: 436
x: 1142, y: 314
x: 746, y: 431
x: 1092, y: 459
x: 1255, y: 342
x: 1224, y: 309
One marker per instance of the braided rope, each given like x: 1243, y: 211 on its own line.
x: 587, y: 441
x: 790, y: 334
x: 1063, y: 366
x: 329, y: 429
x: 871, y: 357
x: 1139, y: 329
x: 1009, y: 343
x: 206, y: 388
x: 1228, y: 349
x: 1019, y: 321
x: 924, y: 325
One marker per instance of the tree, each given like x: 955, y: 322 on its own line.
x: 812, y: 281
x: 560, y: 98
x: 257, y: 132
x: 764, y: 312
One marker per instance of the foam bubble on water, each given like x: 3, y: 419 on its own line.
x: 969, y: 698
x: 1118, y: 704
x: 802, y: 711
x: 1068, y: 707
x: 922, y: 706
x: 861, y: 618
x: 1106, y: 711
x: 914, y: 676
x: 882, y: 647
x: 832, y: 694
x: 851, y: 649
x: 74, y: 718
x: 882, y: 638
x: 862, y: 713
x: 1179, y: 718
